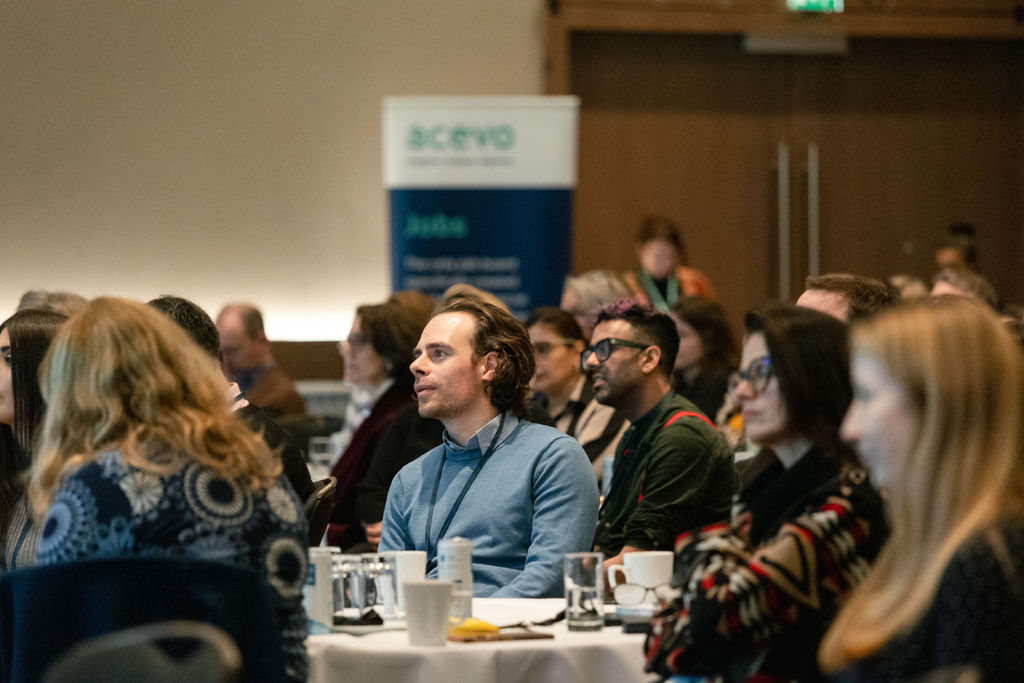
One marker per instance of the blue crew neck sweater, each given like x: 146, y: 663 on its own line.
x: 534, y: 500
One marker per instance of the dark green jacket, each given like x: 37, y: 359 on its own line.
x: 667, y: 479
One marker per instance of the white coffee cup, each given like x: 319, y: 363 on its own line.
x: 647, y: 568
x: 410, y: 565
x: 428, y: 602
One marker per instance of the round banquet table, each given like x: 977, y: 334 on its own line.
x: 386, y: 656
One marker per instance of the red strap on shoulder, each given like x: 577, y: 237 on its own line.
x: 690, y: 413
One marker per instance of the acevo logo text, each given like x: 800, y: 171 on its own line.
x: 461, y: 138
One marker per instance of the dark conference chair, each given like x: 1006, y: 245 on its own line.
x: 318, y: 508
x: 46, y: 610
x: 161, y: 652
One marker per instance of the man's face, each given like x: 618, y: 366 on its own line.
x: 450, y: 380
x: 617, y: 379
x: 237, y: 351
x: 832, y: 303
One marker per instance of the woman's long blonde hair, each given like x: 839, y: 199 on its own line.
x: 120, y: 375
x: 963, y: 375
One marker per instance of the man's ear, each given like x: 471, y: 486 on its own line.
x: 490, y: 366
x: 650, y: 359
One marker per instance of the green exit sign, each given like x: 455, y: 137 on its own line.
x: 824, y: 6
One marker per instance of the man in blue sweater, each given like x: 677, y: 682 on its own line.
x: 523, y: 493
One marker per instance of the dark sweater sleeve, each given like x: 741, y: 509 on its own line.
x: 293, y: 459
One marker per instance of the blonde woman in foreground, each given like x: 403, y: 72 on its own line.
x: 141, y: 455
x: 938, y: 417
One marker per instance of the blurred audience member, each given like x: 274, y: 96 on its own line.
x: 418, y: 303
x: 965, y: 283
x: 522, y: 493
x: 939, y: 394
x: 24, y: 339
x: 377, y: 356
x: 707, y: 353
x: 65, y: 303
x: 584, y: 295
x: 960, y: 249
x: 245, y: 355
x: 673, y: 470
x: 847, y: 297
x: 663, y: 275
x: 140, y: 455
x: 203, y: 332
x: 563, y: 392
x: 912, y: 289
x: 757, y: 594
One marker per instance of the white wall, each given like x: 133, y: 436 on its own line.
x: 226, y: 150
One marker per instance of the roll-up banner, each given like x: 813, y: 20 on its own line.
x: 480, y: 191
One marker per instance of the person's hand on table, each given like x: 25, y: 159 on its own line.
x: 372, y: 532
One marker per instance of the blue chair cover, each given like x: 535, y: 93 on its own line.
x: 45, y: 610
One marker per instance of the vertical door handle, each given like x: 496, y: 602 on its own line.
x: 783, y: 206
x: 813, y: 214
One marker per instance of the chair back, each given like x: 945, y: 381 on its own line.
x: 318, y: 508
x: 45, y: 610
x: 161, y: 652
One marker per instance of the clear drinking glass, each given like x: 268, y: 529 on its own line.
x: 381, y: 587
x: 584, y: 591
x: 349, y: 587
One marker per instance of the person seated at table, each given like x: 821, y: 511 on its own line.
x: 938, y: 399
x: 65, y: 303
x: 201, y: 328
x: 758, y: 593
x: 707, y: 353
x: 377, y: 356
x: 140, y: 455
x: 662, y: 274
x: 248, y: 362
x: 524, y: 494
x: 24, y: 339
x: 563, y: 392
x: 673, y: 470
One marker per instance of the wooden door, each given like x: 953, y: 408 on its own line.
x: 686, y: 126
x: 911, y: 136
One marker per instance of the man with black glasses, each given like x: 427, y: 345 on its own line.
x: 673, y: 471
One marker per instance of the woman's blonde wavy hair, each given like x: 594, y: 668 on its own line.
x: 963, y: 374
x: 120, y: 375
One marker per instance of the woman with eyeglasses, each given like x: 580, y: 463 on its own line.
x: 758, y: 593
x: 377, y: 355
x: 563, y: 392
x: 939, y: 393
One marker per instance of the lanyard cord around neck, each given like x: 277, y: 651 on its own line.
x: 662, y: 303
x: 465, y: 488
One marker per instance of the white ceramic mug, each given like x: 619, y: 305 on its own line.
x: 410, y: 565
x: 428, y: 602
x: 647, y: 568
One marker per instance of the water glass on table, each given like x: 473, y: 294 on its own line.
x: 584, y: 591
x: 349, y: 587
x: 381, y: 592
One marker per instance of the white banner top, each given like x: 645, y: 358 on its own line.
x: 480, y: 142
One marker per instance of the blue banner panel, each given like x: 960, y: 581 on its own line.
x: 513, y: 242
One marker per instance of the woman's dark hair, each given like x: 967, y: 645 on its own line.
x: 498, y: 332
x: 31, y: 332
x: 561, y: 321
x: 707, y: 318
x: 392, y: 330
x: 811, y: 360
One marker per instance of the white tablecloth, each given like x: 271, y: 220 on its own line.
x: 591, y: 657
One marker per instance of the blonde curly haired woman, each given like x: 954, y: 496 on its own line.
x: 141, y: 455
x: 937, y: 417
